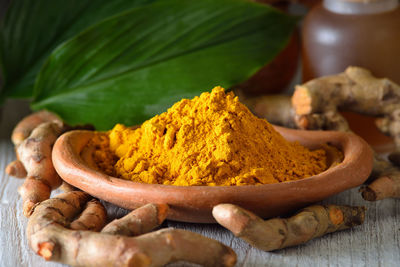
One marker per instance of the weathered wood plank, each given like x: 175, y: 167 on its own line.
x: 376, y: 243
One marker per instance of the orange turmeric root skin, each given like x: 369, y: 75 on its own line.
x: 386, y: 186
x: 66, y: 187
x: 16, y: 169
x: 35, y: 154
x: 21, y: 132
x: 34, y: 137
x: 317, y: 102
x: 139, y: 221
x: 92, y: 218
x: 278, y: 233
x: 49, y: 237
x: 384, y: 181
x: 25, y: 127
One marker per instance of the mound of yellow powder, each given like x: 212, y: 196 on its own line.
x: 209, y: 140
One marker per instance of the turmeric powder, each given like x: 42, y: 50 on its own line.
x: 209, y: 140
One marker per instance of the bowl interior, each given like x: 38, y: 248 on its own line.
x: 74, y: 163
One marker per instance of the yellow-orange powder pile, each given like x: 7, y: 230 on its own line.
x: 209, y: 140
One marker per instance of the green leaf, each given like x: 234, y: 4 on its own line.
x: 135, y: 65
x: 32, y: 29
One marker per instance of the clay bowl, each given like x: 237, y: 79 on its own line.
x: 194, y: 203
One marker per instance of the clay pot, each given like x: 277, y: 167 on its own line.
x: 194, y: 203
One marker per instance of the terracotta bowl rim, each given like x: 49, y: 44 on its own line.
x: 317, y: 176
x: 355, y: 151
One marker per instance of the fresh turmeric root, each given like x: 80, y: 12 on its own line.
x: 385, y: 181
x: 34, y: 138
x: 21, y: 132
x: 92, y: 217
x: 25, y: 127
x: 16, y: 169
x: 273, y: 234
x: 66, y: 187
x: 317, y: 104
x: 390, y: 125
x: 35, y: 155
x: 387, y: 186
x: 49, y: 237
x: 138, y: 222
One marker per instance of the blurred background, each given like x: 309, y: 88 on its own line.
x: 329, y: 36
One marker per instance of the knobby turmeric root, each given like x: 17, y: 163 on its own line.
x: 25, y: 127
x: 385, y: 181
x: 35, y: 155
x: 33, y: 139
x: 92, y: 217
x: 49, y: 237
x: 16, y: 169
x: 140, y: 221
x: 273, y: 234
x: 66, y: 187
x: 317, y: 104
x: 390, y: 125
x: 21, y: 132
x: 387, y: 186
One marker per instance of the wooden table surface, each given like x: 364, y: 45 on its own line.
x: 375, y: 243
